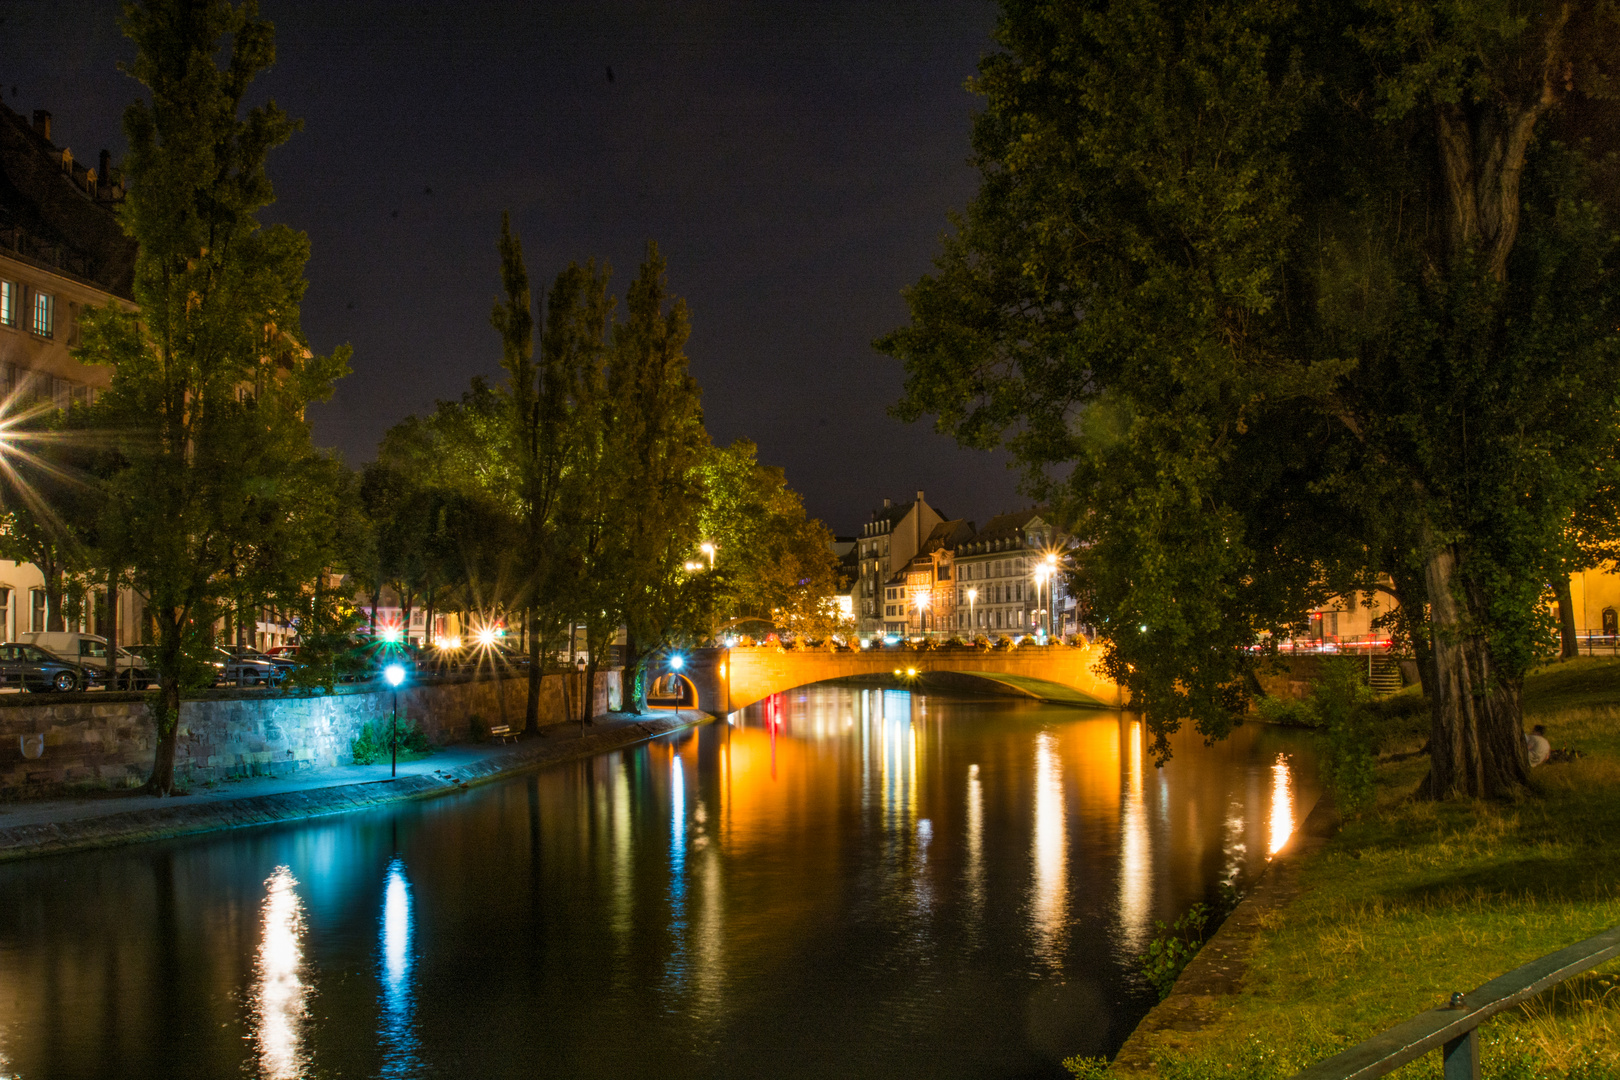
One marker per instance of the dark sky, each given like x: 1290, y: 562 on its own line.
x: 795, y: 162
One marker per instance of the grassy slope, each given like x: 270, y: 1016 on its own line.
x: 1416, y: 900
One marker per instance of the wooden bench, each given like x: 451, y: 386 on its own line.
x: 503, y: 733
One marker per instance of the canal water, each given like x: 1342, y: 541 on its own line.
x: 837, y: 883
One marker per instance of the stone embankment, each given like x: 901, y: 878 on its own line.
x: 1217, y: 971
x: 54, y: 744
x: 82, y: 824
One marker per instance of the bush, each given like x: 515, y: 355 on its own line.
x: 1173, y: 948
x: 1290, y: 712
x: 1086, y: 1068
x: 370, y: 744
x: 1343, y: 705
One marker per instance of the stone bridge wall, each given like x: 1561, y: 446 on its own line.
x: 731, y: 679
x: 107, y: 740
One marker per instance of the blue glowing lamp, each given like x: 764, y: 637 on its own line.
x: 675, y: 663
x: 394, y: 673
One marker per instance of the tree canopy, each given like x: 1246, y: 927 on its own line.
x: 1279, y: 301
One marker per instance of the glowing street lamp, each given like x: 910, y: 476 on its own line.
x: 920, y: 600
x: 708, y: 549
x: 973, y: 594
x: 676, y: 662
x: 394, y: 674
x: 1043, y: 573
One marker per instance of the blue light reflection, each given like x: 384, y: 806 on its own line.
x: 400, y: 1046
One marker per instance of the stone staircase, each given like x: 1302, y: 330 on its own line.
x: 1385, y: 675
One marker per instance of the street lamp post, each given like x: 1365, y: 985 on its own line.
x: 395, y: 674
x: 1051, y: 590
x: 922, y: 608
x: 675, y: 665
x: 708, y: 549
x: 973, y: 594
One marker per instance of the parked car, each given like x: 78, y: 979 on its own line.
x: 242, y: 666
x: 33, y: 669
x: 90, y: 651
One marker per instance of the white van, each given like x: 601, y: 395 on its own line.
x: 90, y: 650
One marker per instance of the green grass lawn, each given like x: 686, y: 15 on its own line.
x: 1414, y: 900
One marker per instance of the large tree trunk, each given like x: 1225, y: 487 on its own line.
x: 166, y: 709
x: 1567, y: 631
x: 1476, y: 742
x: 111, y: 632
x: 635, y: 675
x: 531, y: 713
x: 53, y: 600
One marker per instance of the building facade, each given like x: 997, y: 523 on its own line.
x: 1009, y: 580
x: 885, y: 546
x: 62, y: 252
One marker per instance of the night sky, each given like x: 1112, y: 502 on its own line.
x: 795, y: 163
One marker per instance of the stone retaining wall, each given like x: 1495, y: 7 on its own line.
x: 73, y: 742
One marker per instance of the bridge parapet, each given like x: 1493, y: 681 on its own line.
x: 732, y: 679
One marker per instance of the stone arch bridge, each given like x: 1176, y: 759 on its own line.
x: 725, y: 680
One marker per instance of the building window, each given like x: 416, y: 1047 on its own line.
x: 8, y: 303
x: 1611, y: 624
x: 36, y: 610
x: 44, y: 314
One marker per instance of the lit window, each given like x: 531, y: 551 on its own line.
x: 44, y: 314
x: 8, y: 303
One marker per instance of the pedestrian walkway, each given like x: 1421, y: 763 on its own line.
x: 59, y: 825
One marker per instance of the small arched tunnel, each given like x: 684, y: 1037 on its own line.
x: 726, y: 680
x: 671, y: 691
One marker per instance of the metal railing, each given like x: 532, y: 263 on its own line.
x: 1454, y: 1028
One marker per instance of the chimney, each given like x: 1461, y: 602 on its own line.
x: 885, y: 504
x: 105, y: 168
x: 919, y: 496
x: 42, y: 124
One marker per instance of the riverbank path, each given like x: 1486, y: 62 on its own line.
x: 48, y: 826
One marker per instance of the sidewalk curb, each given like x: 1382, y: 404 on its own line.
x: 160, y: 822
x: 1217, y: 971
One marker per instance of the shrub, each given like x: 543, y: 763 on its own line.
x: 1343, y: 706
x: 1173, y: 948
x: 1290, y: 712
x: 370, y: 743
x: 1086, y: 1068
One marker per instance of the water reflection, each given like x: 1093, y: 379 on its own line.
x: 975, y: 844
x: 1282, y: 804
x: 399, y: 1042
x: 1135, y: 846
x: 1049, y: 907
x: 676, y: 966
x: 279, y: 1005
x: 926, y: 887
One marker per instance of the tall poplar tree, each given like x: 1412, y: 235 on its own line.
x: 656, y: 441
x: 211, y: 378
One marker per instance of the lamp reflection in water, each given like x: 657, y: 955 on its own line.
x: 1135, y: 847
x: 975, y: 844
x: 279, y: 996
x: 399, y: 1042
x: 1282, y: 805
x: 1049, y: 910
x: 677, y: 869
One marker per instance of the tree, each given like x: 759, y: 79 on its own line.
x: 654, y: 439
x: 211, y: 379
x: 773, y: 562
x: 1278, y: 302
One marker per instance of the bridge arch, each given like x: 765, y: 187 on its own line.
x: 730, y: 679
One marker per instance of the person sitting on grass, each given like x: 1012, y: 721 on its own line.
x: 1537, y: 746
